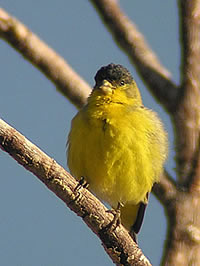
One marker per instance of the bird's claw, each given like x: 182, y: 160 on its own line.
x: 116, y: 213
x: 82, y: 183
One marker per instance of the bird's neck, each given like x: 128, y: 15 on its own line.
x: 108, y: 106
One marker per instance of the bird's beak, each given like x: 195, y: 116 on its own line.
x: 106, y: 87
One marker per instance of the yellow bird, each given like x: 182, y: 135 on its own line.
x: 117, y: 145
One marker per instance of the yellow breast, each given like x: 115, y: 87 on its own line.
x: 118, y: 150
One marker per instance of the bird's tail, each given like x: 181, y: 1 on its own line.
x: 132, y: 217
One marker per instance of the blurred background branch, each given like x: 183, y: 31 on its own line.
x: 55, y: 68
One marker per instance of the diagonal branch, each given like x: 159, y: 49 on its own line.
x: 44, y: 58
x: 166, y: 192
x: 117, y: 243
x: 134, y: 44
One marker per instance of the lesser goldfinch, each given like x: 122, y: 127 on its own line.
x: 118, y: 145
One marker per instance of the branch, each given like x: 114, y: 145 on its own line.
x: 189, y: 26
x: 187, y: 116
x: 133, y: 43
x: 117, y: 243
x: 194, y: 177
x: 165, y: 190
x: 44, y: 58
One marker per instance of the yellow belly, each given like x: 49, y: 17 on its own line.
x: 120, y: 162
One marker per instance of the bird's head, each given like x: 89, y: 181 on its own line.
x: 115, y: 82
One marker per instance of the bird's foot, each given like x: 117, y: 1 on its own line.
x: 116, y: 213
x: 82, y: 183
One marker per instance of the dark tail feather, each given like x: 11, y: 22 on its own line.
x: 138, y: 223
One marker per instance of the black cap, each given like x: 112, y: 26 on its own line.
x: 113, y: 73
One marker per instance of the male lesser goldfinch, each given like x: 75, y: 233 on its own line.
x: 118, y: 145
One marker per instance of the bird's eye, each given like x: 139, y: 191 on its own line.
x: 122, y: 82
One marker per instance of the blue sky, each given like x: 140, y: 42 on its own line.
x: 36, y: 228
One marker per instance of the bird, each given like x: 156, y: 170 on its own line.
x: 117, y: 145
